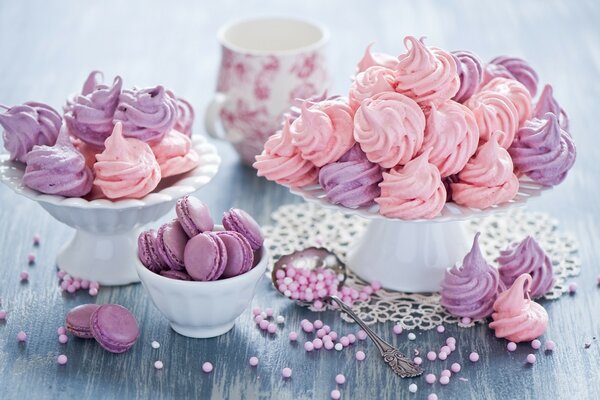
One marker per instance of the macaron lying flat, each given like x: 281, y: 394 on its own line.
x: 170, y: 243
x: 241, y: 222
x: 205, y: 257
x: 239, y: 253
x: 78, y: 320
x: 148, y: 253
x: 193, y: 215
x: 114, y: 328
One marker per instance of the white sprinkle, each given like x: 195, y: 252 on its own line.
x: 264, y: 314
x: 338, y: 346
x: 287, y: 280
x: 155, y: 344
x: 412, y: 388
x: 287, y: 293
x: 412, y: 336
x: 280, y: 319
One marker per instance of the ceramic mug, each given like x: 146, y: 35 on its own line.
x: 267, y: 64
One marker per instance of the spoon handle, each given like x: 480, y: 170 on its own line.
x: 398, y: 362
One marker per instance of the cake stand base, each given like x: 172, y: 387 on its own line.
x: 408, y: 257
x: 109, y: 259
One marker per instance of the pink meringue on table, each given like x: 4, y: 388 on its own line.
x: 487, y: 179
x: 323, y: 132
x: 389, y: 128
x: 147, y: 114
x: 516, y: 92
x: 547, y: 103
x: 185, y: 116
x: 470, y: 73
x: 372, y: 81
x: 282, y: 162
x: 28, y: 125
x: 375, y: 59
x: 58, y: 169
x: 516, y: 317
x: 89, y: 152
x: 516, y: 68
x: 451, y: 131
x: 527, y: 257
x: 126, y: 168
x: 471, y: 288
x: 412, y: 192
x: 426, y: 75
x: 89, y: 115
x: 543, y: 151
x: 493, y: 112
x: 175, y: 154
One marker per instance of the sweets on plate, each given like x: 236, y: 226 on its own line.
x: 470, y: 72
x: 148, y: 251
x: 193, y: 215
x: 114, y: 328
x: 240, y: 221
x: 373, y: 80
x: 548, y: 104
x: 471, y: 288
x: 29, y: 125
x: 185, y: 116
x: 371, y: 59
x: 174, y: 154
x: 205, y: 257
x: 170, y: 244
x: 527, y: 257
x: 514, y: 68
x: 515, y: 92
x: 494, y: 112
x: 516, y: 317
x: 240, y: 258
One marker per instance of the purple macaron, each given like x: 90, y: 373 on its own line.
x: 241, y: 222
x: 114, y: 328
x: 240, y: 258
x: 148, y: 252
x: 170, y: 243
x: 193, y: 215
x: 174, y: 274
x: 205, y: 257
x: 78, y: 320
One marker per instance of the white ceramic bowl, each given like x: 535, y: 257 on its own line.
x: 104, y: 248
x: 203, y: 309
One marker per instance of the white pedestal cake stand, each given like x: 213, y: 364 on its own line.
x: 104, y: 247
x: 412, y: 255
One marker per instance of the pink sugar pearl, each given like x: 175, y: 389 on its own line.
x: 340, y: 379
x: 550, y: 345
x: 360, y: 355
x: 455, y: 367
x: 333, y: 335
x: 431, y: 356
x: 257, y: 319
x: 293, y: 336
x: 308, y: 327
x: 308, y: 346
x: 444, y: 380
x: 465, y: 320
x: 418, y: 360
x: 256, y: 310
x: 351, y: 338
x: 269, y: 312
x: 376, y: 285
x: 93, y: 291
x: 207, y: 367
x: 397, y: 329
x: 286, y: 372
x: 318, y: 324
x: 450, y: 340
x: 446, y: 349
x: 446, y: 372
x: 327, y: 328
x: 321, y: 333
x: 61, y: 330
x: 361, y: 335
x: 253, y: 361
x: 21, y: 336
x: 440, y: 328
x: 572, y: 287
x: 37, y: 239
x: 536, y: 344
x: 335, y: 394
x: 430, y: 378
x: 318, y: 304
x: 62, y: 359
x: 344, y: 341
x: 31, y: 258
x: 511, y: 346
x: 442, y: 355
x: 63, y: 339
x: 531, y: 358
x: 598, y: 279
x: 2, y: 315
x: 158, y: 364
x: 474, y: 357
x: 432, y: 396
x: 24, y: 275
x: 317, y: 343
x: 272, y: 328
x: 328, y: 345
x: 264, y: 324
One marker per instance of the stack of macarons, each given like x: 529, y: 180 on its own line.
x: 189, y: 247
x: 112, y: 325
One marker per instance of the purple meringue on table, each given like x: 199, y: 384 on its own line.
x: 29, y: 125
x: 547, y: 103
x: 514, y: 68
x: 527, y: 257
x: 352, y: 181
x: 58, y: 169
x: 470, y: 289
x: 543, y: 151
x: 470, y: 72
x: 185, y: 116
x: 147, y: 114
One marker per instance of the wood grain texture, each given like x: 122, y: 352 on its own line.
x: 47, y: 50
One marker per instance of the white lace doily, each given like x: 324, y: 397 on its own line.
x: 298, y: 226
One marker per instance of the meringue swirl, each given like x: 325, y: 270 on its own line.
x: 515, y: 92
x: 452, y: 133
x: 426, y: 75
x: 494, y: 112
x: 126, y: 168
x: 370, y: 59
x: 147, y: 114
x: 323, y: 132
x: 471, y: 288
x: 29, y: 125
x: 487, y: 179
x: 547, y: 103
x: 413, y: 191
x: 518, y: 318
x: 520, y: 70
x: 527, y: 257
x: 389, y: 128
x: 470, y: 73
x: 370, y: 82
x: 174, y: 154
x: 543, y: 151
x: 185, y: 116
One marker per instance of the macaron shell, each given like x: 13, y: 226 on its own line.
x: 193, y: 215
x: 205, y: 257
x: 148, y: 253
x: 174, y: 274
x: 170, y: 242
x: 77, y: 320
x: 114, y: 328
x: 239, y: 253
x: 240, y: 221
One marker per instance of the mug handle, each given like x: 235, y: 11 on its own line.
x: 212, y: 118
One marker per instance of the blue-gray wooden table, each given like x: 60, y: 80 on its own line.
x: 46, y: 51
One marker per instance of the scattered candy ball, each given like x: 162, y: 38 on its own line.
x: 269, y: 312
x: 351, y: 338
x: 412, y: 336
x: 253, y: 361
x: 62, y: 359
x: 531, y: 358
x: 450, y: 340
x: 549, y: 345
x: 333, y: 335
x: 293, y: 336
x: 455, y: 367
x: 280, y: 319
x: 345, y: 341
x: 335, y: 394
x: 317, y: 343
x: 361, y: 335
x: 430, y: 378
x: 318, y: 324
x: 598, y: 280
x: 432, y: 396
x: 440, y: 328
x: 256, y: 310
x: 572, y: 287
x: 431, y: 356
x: 446, y: 372
x: 155, y: 344
x: 37, y: 239
x: 444, y: 380
x: 158, y: 364
x: 308, y: 346
x: 465, y: 320
x: 264, y: 324
x: 2, y: 315
x: 474, y: 357
x: 338, y: 346
x: 511, y: 346
x: 446, y: 349
x: 442, y: 356
x: 21, y: 336
x: 24, y: 275
x: 272, y: 328
x: 93, y: 292
x: 207, y: 367
x: 360, y: 355
x: 62, y: 339
x: 340, y: 379
x: 536, y: 344
x: 31, y: 258
x: 286, y: 372
x: 308, y: 327
x: 397, y: 329
x: 418, y: 360
x: 412, y: 388
x: 328, y: 345
x: 61, y: 330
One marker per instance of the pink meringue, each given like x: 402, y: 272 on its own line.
x: 413, y: 191
x: 175, y: 154
x: 323, y: 132
x: 389, y: 128
x: 451, y: 131
x: 494, y: 112
x: 518, y: 69
x: 126, y: 168
x: 375, y: 59
x: 518, y: 318
x: 487, y: 179
x: 282, y: 162
x: 426, y: 75
x: 370, y: 82
x: 547, y: 103
x: 515, y: 92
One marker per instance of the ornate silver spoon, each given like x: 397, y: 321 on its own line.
x: 316, y: 257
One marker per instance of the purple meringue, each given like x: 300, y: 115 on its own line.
x: 470, y: 72
x: 185, y: 116
x: 352, y: 181
x: 527, y: 257
x: 516, y: 68
x: 147, y: 114
x: 58, y: 169
x: 28, y: 125
x: 469, y: 290
x: 547, y: 103
x: 543, y: 151
x: 89, y: 115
